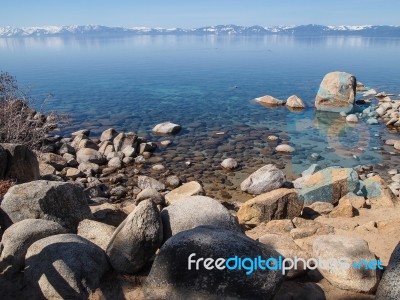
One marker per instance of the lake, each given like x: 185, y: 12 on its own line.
x: 207, y: 85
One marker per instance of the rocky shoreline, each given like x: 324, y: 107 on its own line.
x: 106, y: 218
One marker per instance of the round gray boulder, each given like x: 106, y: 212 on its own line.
x: 18, y: 238
x: 136, y: 239
x: 172, y: 278
x: 64, y: 266
x: 61, y: 202
x: 193, y: 211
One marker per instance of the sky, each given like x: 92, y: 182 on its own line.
x: 198, y: 13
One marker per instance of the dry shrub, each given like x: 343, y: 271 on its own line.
x: 19, y: 123
x: 4, y: 187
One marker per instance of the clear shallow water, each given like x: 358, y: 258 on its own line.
x: 133, y: 83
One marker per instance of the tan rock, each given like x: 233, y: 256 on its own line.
x: 344, y: 209
x: 274, y: 227
x: 96, y: 232
x: 274, y: 205
x: 378, y: 193
x: 295, y: 102
x: 46, y: 169
x: 270, y: 101
x: 188, y: 189
x: 337, y: 92
x: 74, y: 173
x: 356, y: 201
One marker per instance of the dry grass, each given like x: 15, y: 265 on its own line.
x: 19, y: 123
x: 4, y: 187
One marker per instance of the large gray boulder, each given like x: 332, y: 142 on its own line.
x: 337, y: 92
x: 263, y: 180
x: 64, y: 203
x: 329, y: 185
x: 354, y: 250
x: 275, y: 205
x: 18, y: 238
x: 64, y: 266
x: 171, y: 278
x: 137, y: 239
x: 190, y: 212
x: 22, y: 163
x: 389, y: 288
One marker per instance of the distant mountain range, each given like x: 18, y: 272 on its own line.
x: 303, y: 30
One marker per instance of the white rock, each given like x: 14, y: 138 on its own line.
x: 229, y: 164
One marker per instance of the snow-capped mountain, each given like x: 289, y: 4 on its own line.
x: 302, y: 30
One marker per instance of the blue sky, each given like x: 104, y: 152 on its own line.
x: 197, y: 13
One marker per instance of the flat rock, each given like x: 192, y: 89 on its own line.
x: 270, y: 101
x: 191, y: 188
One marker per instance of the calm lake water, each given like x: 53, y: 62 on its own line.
x: 206, y: 84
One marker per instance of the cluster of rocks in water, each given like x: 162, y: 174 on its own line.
x: 75, y: 222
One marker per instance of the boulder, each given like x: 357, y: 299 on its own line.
x: 89, y: 168
x: 46, y: 169
x: 136, y: 239
x: 87, y: 143
x: 345, y: 209
x: 173, y: 181
x: 115, y: 162
x: 74, y: 173
x: 329, y: 185
x: 337, y: 92
x: 54, y: 160
x: 22, y: 164
x: 229, y: 164
x: 17, y: 239
x: 151, y: 194
x: 190, y: 212
x: 275, y: 205
x: 171, y: 278
x: 123, y: 140
x: 96, y: 232
x: 88, y: 155
x: 285, y: 148
x: 108, y: 135
x: 85, y: 132
x: 64, y: 266
x: 263, y: 180
x: 188, y: 189
x: 148, y: 182
x: 286, y: 247
x: 64, y: 203
x: 389, y: 288
x: 378, y: 193
x: 166, y: 128
x: 270, y: 101
x: 295, y: 102
x: 353, y: 250
x: 66, y: 148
